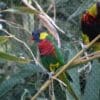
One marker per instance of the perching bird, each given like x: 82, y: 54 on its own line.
x: 51, y: 56
x: 90, y: 25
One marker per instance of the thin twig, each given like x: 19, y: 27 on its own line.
x: 38, y: 6
x: 29, y: 5
x: 93, y: 55
x: 60, y: 81
x: 41, y: 11
x: 54, y: 10
x: 49, y: 8
x: 66, y: 66
x: 17, y: 26
x: 88, y: 65
x: 51, y: 91
x: 84, y: 59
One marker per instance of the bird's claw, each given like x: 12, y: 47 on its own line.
x: 50, y: 74
x: 84, y: 47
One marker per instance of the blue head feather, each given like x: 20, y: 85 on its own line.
x: 36, y: 34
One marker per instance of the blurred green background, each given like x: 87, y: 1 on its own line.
x: 21, y: 81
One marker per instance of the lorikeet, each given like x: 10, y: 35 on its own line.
x: 51, y: 56
x: 90, y: 25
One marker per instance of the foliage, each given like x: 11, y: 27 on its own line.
x: 28, y: 76
x: 17, y: 78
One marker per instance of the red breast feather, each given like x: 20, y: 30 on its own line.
x: 46, y: 47
x: 90, y: 25
x: 87, y: 18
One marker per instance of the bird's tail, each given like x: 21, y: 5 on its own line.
x: 65, y: 78
x: 69, y: 77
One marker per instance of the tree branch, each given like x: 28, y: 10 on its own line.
x: 84, y: 59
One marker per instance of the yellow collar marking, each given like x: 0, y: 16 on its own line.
x: 43, y: 35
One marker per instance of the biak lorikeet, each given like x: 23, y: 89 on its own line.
x: 51, y: 56
x: 90, y: 25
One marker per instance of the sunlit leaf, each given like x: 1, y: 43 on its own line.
x: 13, y: 58
x: 22, y: 9
x: 4, y: 39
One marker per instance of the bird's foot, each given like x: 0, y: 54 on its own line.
x: 50, y: 74
x: 84, y: 47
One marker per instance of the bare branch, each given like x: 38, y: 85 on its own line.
x: 84, y: 59
x: 29, y: 5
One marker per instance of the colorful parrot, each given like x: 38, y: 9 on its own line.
x: 90, y: 25
x: 51, y: 56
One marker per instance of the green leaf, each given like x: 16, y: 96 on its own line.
x: 15, y: 79
x: 13, y: 58
x: 4, y: 39
x: 22, y: 9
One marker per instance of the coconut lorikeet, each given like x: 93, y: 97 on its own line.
x: 90, y: 25
x: 51, y: 56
